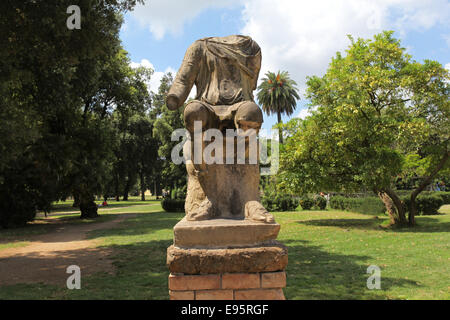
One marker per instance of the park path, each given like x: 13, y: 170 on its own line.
x: 47, y: 256
x: 101, y: 209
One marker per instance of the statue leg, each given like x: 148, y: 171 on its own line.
x: 249, y: 116
x: 198, y: 204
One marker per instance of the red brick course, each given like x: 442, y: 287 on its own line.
x: 273, y: 280
x: 228, y: 286
x: 240, y: 280
x: 194, y: 282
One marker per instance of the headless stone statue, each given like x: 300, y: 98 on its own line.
x: 225, y: 71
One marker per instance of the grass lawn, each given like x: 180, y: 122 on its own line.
x: 329, y: 252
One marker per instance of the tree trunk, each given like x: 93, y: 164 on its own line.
x: 280, y: 131
x: 88, y: 207
x: 394, y: 207
x: 116, y: 187
x: 421, y: 187
x: 141, y: 178
x: 142, y: 188
x: 76, y: 200
x: 126, y: 190
x: 412, y: 211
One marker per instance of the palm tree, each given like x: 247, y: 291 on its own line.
x: 278, y: 94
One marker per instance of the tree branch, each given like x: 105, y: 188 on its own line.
x: 428, y: 179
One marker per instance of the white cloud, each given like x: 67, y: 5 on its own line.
x: 418, y: 14
x: 155, y: 80
x: 169, y: 16
x: 302, y: 36
x: 305, y: 112
x: 143, y: 63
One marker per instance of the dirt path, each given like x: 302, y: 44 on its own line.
x: 46, y: 258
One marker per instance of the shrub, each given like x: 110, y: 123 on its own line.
x: 336, y: 202
x: 320, y: 202
x: 279, y: 203
x: 366, y: 205
x: 426, y: 204
x: 445, y: 196
x: 17, y: 204
x: 173, y: 205
x: 306, y: 203
x: 372, y: 205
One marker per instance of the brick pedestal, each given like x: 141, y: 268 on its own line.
x: 223, y: 259
x: 228, y: 286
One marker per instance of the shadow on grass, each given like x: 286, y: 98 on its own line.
x: 63, y: 229
x: 363, y: 224
x: 141, y: 224
x: 64, y: 207
x: 424, y: 224
x: 141, y: 271
x: 313, y: 273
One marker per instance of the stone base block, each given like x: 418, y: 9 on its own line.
x: 223, y: 233
x: 267, y: 258
x: 228, y: 286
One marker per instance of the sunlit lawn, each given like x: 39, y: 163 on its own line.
x: 329, y: 252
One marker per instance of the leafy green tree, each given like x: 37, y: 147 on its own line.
x: 378, y: 112
x: 147, y: 151
x: 278, y: 94
x: 167, y: 121
x: 135, y: 156
x: 52, y: 94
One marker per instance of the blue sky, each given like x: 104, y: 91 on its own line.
x: 297, y: 36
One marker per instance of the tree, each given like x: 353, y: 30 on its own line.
x: 376, y: 110
x: 52, y: 90
x: 277, y: 94
x: 147, y: 151
x: 170, y: 175
x: 135, y: 156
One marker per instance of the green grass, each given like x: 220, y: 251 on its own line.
x: 445, y: 209
x: 329, y: 252
x: 14, y: 244
x: 66, y: 206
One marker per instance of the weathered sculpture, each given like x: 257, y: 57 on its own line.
x: 225, y: 71
x: 225, y: 247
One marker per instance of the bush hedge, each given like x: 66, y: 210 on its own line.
x: 306, y: 203
x: 178, y: 193
x: 320, y: 202
x: 445, y: 196
x: 367, y: 205
x: 280, y: 203
x: 173, y: 205
x: 427, y: 204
